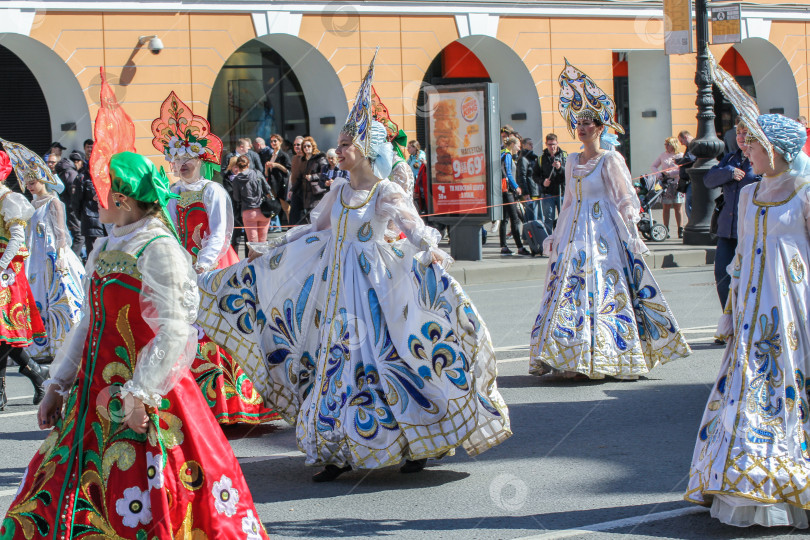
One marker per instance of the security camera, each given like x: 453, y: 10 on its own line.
x: 153, y: 43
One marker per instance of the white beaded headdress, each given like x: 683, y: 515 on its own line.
x: 368, y: 135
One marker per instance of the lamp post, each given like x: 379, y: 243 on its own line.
x: 706, y: 146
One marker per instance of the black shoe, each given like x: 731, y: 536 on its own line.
x: 36, y: 374
x: 526, y: 252
x: 413, y: 466
x: 680, y: 232
x: 330, y: 472
x: 718, y: 341
x: 506, y: 251
x: 3, y: 399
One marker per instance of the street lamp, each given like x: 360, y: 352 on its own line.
x: 706, y: 146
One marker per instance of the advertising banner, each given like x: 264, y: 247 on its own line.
x: 726, y: 24
x: 677, y: 26
x: 459, y: 145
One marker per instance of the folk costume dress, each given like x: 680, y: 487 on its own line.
x: 204, y: 219
x: 20, y: 321
x: 369, y: 348
x: 602, y: 311
x: 93, y: 477
x: 751, y: 459
x: 55, y: 274
x: 374, y: 353
x: 203, y: 216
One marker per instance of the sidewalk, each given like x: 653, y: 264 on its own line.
x: 495, y: 267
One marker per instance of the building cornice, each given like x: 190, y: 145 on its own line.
x: 502, y: 8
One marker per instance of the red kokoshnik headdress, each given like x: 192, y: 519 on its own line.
x: 5, y: 166
x: 178, y: 132
x: 114, y: 132
x: 380, y: 113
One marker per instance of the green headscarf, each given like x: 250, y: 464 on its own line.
x: 400, y: 141
x: 138, y: 178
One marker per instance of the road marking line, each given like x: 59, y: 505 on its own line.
x: 21, y: 397
x: 9, y: 492
x: 618, y: 523
x: 21, y: 413
x: 257, y: 459
x: 510, y: 360
x: 697, y: 328
x: 505, y: 349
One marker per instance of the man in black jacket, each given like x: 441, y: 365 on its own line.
x: 243, y: 149
x: 526, y: 162
x: 85, y: 204
x: 549, y: 173
x: 69, y: 176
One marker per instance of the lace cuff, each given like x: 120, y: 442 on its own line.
x: 151, y: 399
x: 725, y: 327
x: 637, y: 246
x: 61, y: 390
x: 431, y: 253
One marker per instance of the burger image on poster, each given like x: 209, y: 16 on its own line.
x: 445, y: 128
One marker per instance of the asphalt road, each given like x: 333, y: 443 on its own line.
x: 587, y: 460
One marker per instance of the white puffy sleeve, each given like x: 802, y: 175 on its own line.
x: 16, y: 212
x: 320, y: 220
x: 169, y: 301
x: 220, y: 223
x: 619, y: 187
x: 402, y: 175
x: 394, y: 204
x: 68, y: 358
x: 568, y: 200
x: 58, y: 224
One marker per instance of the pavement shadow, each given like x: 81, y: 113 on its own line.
x: 36, y: 435
x: 291, y: 480
x: 645, y: 435
x: 10, y: 477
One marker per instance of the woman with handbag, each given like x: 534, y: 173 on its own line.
x: 510, y: 191
x: 315, y: 162
x: 668, y: 169
x: 249, y: 190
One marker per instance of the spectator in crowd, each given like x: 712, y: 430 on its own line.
x: 420, y: 191
x: 229, y: 171
x: 529, y: 189
x: 51, y: 160
x: 55, y: 149
x: 732, y: 173
x: 295, y: 192
x: 416, y: 156
x: 685, y: 163
x: 243, y: 149
x: 264, y: 152
x: 249, y: 189
x: 88, y: 149
x: 549, y: 174
x: 85, y: 204
x: 332, y: 170
x: 510, y: 191
x: 730, y: 138
x: 315, y: 162
x: 506, y: 132
x: 668, y: 173
x: 66, y: 170
x: 277, y: 172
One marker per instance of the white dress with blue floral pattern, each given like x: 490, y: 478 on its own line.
x: 751, y: 460
x: 373, y: 351
x: 602, y: 311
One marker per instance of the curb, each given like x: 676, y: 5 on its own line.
x: 499, y: 271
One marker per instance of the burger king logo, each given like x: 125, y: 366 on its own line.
x: 469, y: 109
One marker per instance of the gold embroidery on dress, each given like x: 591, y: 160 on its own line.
x: 117, y: 262
x: 796, y: 269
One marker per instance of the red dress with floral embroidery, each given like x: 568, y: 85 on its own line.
x: 20, y: 322
x: 95, y: 478
x: 224, y: 384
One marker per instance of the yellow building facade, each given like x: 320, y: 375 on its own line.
x: 231, y: 61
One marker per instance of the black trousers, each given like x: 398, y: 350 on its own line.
x: 510, y: 213
x: 722, y: 258
x: 16, y: 355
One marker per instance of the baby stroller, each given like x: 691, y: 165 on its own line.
x: 649, y: 191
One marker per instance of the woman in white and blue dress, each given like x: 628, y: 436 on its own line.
x: 751, y: 462
x: 54, y: 271
x: 602, y: 312
x: 369, y: 348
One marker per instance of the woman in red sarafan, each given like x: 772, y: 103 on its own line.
x: 203, y: 216
x: 20, y: 322
x: 136, y: 453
